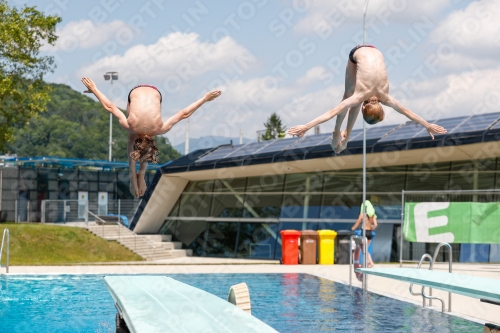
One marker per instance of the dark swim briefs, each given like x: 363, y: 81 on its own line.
x: 144, y: 85
x: 351, y: 54
x: 369, y: 234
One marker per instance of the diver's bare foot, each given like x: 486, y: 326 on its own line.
x: 371, y: 265
x: 336, y: 140
x: 134, y: 190
x: 141, y: 184
x: 343, y: 142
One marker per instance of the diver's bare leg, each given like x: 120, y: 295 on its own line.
x: 346, y: 134
x: 132, y: 165
x: 141, y: 183
x: 350, y: 85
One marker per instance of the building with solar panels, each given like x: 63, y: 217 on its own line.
x: 233, y: 200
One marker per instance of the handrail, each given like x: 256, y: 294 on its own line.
x: 422, y: 291
x: 432, y: 260
x: 122, y: 226
x: 364, y: 242
x: 5, y: 232
x: 450, y: 261
x: 418, y: 267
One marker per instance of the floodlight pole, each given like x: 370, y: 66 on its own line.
x: 107, y: 76
x: 111, y: 129
x: 365, y: 245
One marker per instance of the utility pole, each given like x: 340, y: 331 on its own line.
x: 365, y: 245
x: 111, y: 76
x: 186, y: 144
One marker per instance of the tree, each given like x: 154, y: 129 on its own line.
x: 22, y: 90
x: 274, y: 128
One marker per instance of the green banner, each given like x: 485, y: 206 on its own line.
x: 452, y: 222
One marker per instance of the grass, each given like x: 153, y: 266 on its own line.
x: 39, y: 244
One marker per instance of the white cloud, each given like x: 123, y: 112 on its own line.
x: 470, y: 92
x: 247, y: 104
x: 175, y: 59
x: 471, y: 34
x: 328, y: 14
x: 86, y: 34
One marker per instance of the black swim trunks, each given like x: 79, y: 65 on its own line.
x: 351, y: 54
x: 145, y: 85
x: 369, y: 234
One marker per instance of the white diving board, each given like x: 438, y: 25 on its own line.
x: 467, y: 285
x: 161, y: 304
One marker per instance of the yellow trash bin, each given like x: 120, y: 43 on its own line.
x: 326, y: 247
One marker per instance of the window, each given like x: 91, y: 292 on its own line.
x: 194, y: 205
x: 262, y: 205
x: 257, y: 240
x: 334, y: 182
x: 201, y: 186
x: 301, y: 206
x: 304, y: 182
x: 230, y: 185
x: 340, y: 206
x: 267, y: 182
x: 227, y: 205
x: 221, y: 239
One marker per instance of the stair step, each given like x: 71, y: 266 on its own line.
x: 157, y: 238
x: 142, y: 244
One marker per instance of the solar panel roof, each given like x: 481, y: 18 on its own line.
x: 248, y: 149
x: 219, y: 153
x: 310, y: 141
x: 478, y: 122
x: 497, y: 125
x: 407, y: 131
x: 378, y: 132
x: 387, y: 133
x: 451, y: 123
x: 276, y: 145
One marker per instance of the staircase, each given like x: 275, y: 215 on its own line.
x: 150, y: 247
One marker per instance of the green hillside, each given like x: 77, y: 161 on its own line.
x: 76, y: 126
x: 39, y: 244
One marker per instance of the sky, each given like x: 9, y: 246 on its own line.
x: 283, y: 56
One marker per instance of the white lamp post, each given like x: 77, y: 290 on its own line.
x: 365, y: 250
x: 113, y: 76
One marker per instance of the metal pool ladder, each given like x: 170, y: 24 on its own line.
x: 6, y: 232
x: 432, y: 260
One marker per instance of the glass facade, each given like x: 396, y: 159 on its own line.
x: 29, y: 186
x: 242, y: 217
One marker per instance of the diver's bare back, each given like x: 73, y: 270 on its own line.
x: 371, y: 74
x: 144, y: 111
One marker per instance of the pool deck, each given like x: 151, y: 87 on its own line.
x: 462, y: 306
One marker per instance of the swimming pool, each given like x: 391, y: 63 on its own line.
x: 287, y: 302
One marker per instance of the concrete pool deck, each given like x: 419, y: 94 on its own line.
x: 462, y: 306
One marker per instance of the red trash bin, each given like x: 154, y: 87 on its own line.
x: 290, y: 247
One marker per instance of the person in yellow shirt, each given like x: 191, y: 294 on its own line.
x: 371, y: 224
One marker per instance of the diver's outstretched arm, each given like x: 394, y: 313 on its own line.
x: 300, y: 130
x: 105, y: 102
x: 396, y: 105
x: 188, y: 111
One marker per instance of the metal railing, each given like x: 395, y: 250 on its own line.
x: 363, y: 240
x: 432, y: 260
x: 120, y: 226
x: 6, y: 232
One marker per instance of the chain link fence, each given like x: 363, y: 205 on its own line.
x: 65, y: 211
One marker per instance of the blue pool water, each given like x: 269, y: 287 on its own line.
x: 287, y: 302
